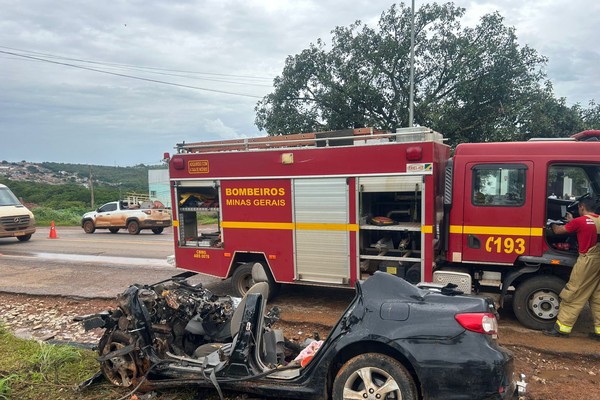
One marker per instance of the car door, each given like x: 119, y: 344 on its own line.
x: 105, y: 215
x: 497, y: 211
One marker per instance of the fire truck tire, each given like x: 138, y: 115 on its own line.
x: 536, y: 301
x: 157, y: 231
x: 133, y: 227
x: 413, y: 274
x: 241, y: 280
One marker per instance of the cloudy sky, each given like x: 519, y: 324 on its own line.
x: 79, y: 79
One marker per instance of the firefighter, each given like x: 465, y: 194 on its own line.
x: 584, y: 283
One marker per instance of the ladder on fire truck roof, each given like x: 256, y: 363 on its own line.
x: 345, y: 137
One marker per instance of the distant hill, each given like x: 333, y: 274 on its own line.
x: 53, y: 184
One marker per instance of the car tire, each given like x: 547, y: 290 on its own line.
x: 88, y: 227
x: 24, y: 238
x: 380, y: 369
x: 121, y: 370
x: 536, y: 301
x: 133, y: 227
x: 113, y: 230
x: 157, y: 231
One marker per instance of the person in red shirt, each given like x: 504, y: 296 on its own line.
x: 584, y: 282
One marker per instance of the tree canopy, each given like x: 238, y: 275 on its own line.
x: 471, y: 83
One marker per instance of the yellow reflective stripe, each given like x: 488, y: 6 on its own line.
x: 290, y: 226
x: 302, y: 226
x: 305, y: 226
x: 257, y: 225
x: 597, y: 330
x: 496, y: 230
x: 562, y: 328
x: 427, y: 229
x: 175, y: 222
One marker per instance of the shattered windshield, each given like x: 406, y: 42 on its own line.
x: 7, y: 198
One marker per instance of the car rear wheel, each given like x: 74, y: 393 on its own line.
x: 157, y: 231
x: 536, y: 301
x: 133, y: 227
x: 373, y: 376
x: 88, y: 227
x: 24, y: 238
x: 113, y: 230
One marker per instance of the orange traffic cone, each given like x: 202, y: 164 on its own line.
x: 52, y: 232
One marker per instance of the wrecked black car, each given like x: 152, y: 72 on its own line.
x: 394, y: 341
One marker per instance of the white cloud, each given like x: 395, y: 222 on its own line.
x: 51, y: 112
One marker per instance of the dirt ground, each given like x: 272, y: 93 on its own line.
x: 556, y: 368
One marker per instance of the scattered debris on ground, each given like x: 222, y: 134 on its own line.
x: 556, y: 368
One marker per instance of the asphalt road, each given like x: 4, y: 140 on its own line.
x: 95, y: 265
x: 103, y: 265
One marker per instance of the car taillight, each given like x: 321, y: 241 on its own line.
x: 485, y: 323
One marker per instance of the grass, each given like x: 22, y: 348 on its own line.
x: 65, y: 217
x: 30, y: 370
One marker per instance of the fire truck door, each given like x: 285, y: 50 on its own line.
x: 497, y: 212
x: 322, y: 237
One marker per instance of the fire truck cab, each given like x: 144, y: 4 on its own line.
x: 330, y: 208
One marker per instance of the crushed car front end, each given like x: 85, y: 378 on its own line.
x: 394, y: 339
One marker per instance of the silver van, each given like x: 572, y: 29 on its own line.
x: 15, y: 219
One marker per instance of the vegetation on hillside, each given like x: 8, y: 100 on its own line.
x: 60, y: 196
x: 65, y: 203
x: 128, y: 178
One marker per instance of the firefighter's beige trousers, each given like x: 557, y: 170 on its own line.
x: 583, y: 285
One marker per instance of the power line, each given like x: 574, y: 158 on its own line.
x: 136, y: 66
x: 129, y: 76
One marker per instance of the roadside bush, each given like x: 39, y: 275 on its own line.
x: 65, y: 217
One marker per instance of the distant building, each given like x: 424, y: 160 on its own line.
x: 158, y: 186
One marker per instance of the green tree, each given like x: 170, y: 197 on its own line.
x: 590, y: 116
x: 472, y: 83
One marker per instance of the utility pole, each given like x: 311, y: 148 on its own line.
x: 91, y: 188
x: 411, y: 95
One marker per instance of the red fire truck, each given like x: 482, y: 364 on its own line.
x: 329, y: 208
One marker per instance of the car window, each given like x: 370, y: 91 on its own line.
x: 7, y: 198
x: 568, y: 182
x: 499, y: 185
x: 108, y: 207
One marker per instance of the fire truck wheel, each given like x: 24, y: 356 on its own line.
x: 241, y: 281
x: 413, y: 274
x: 536, y: 301
x: 133, y: 227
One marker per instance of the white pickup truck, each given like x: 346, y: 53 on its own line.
x: 124, y: 215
